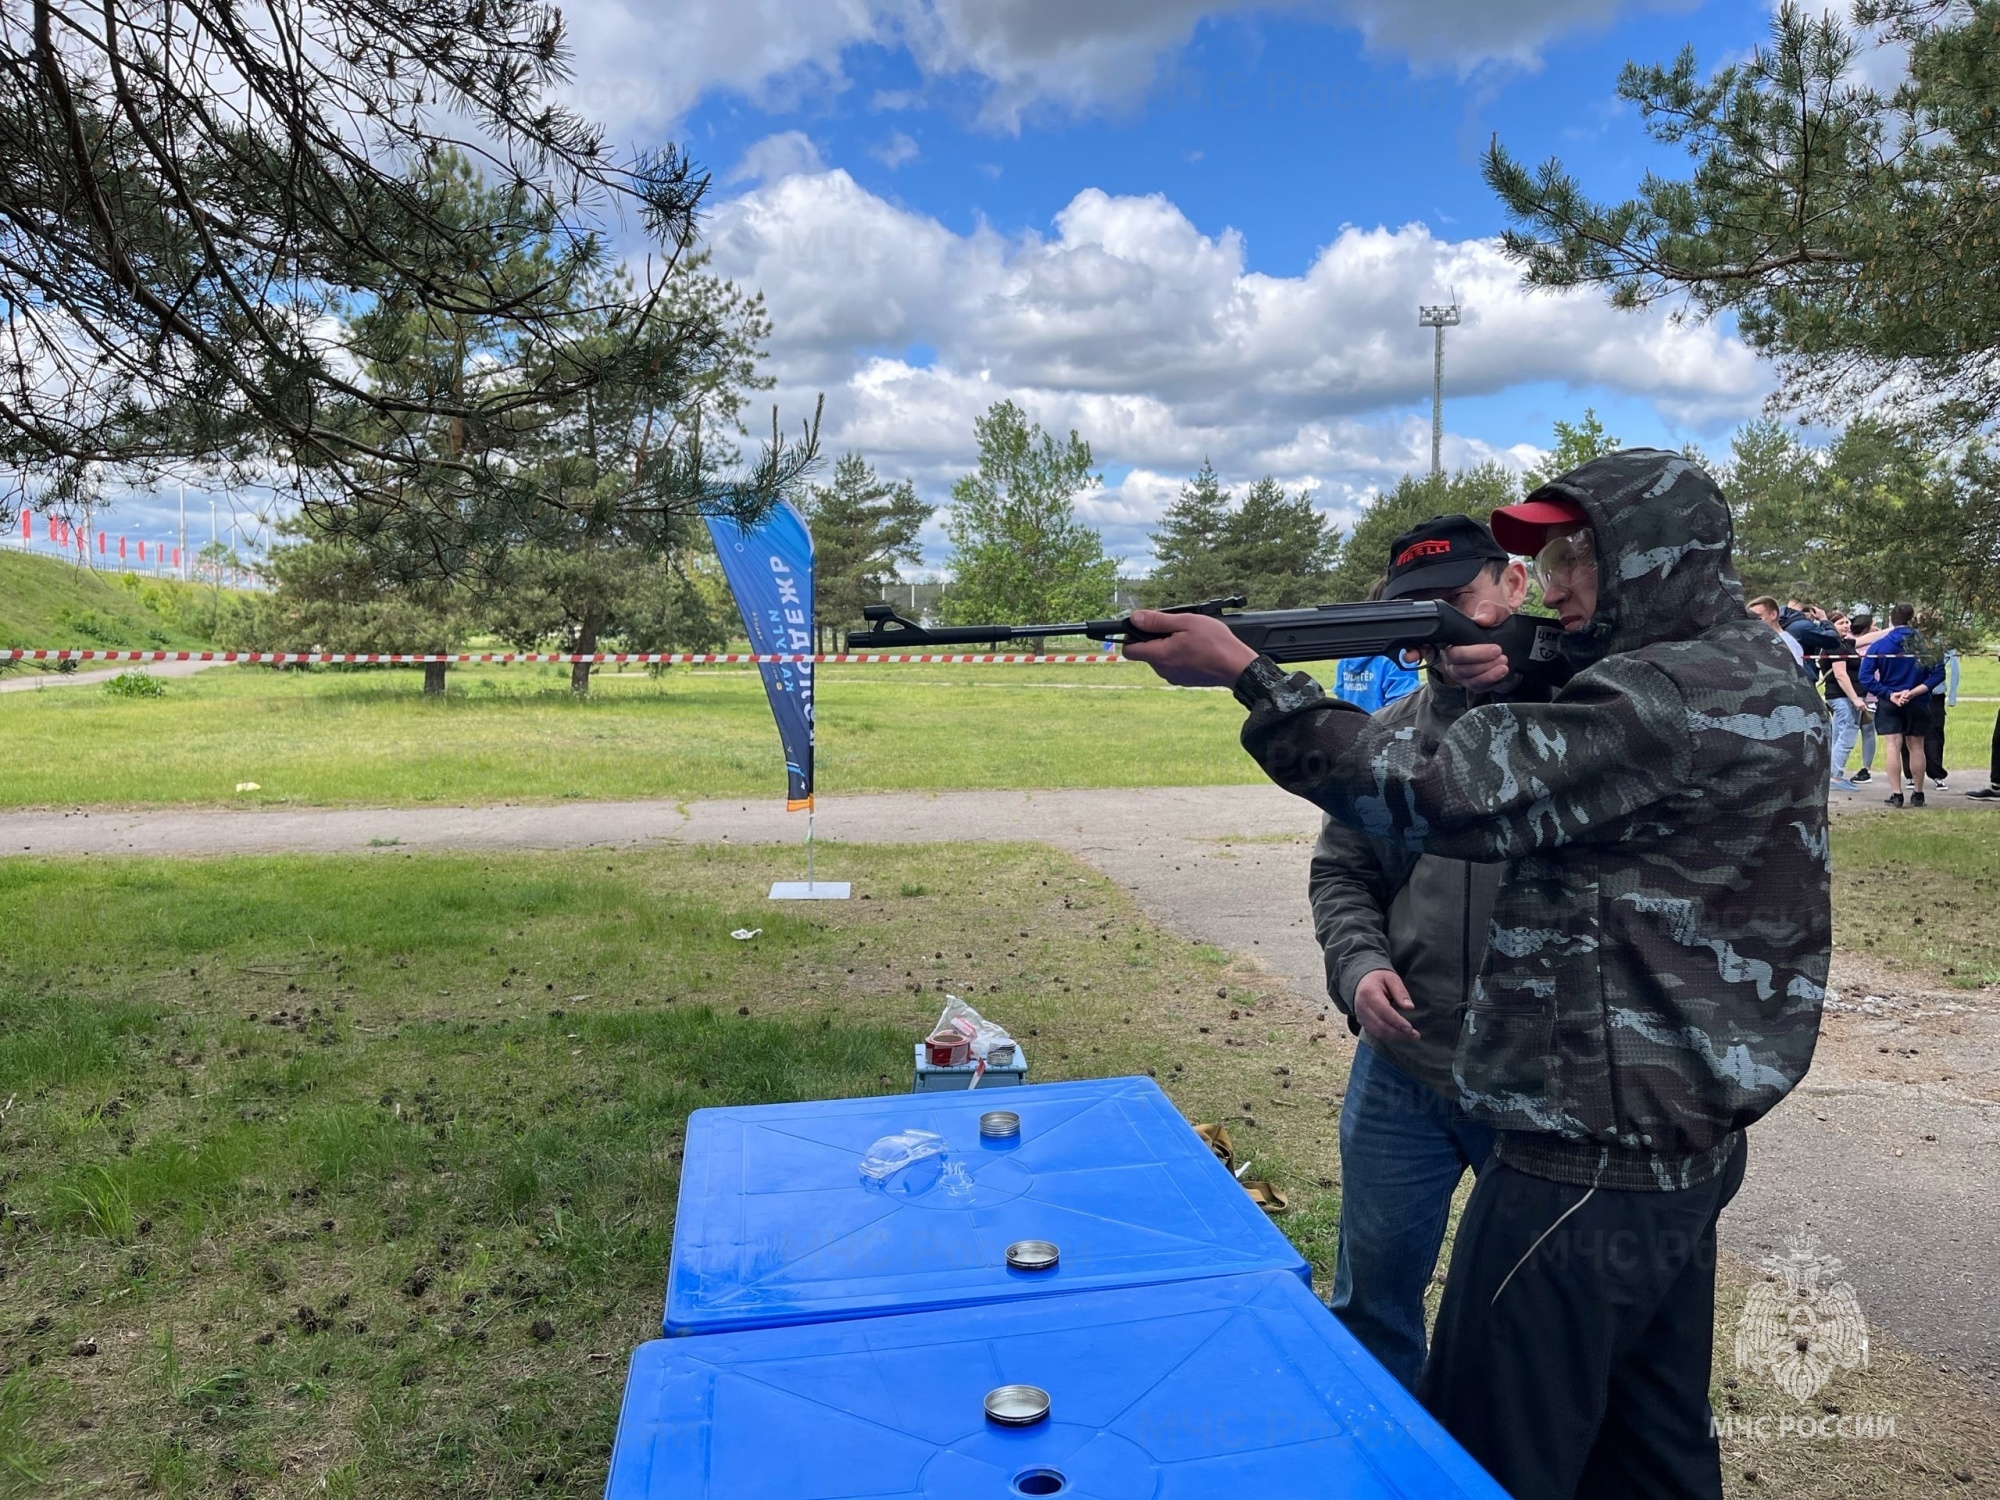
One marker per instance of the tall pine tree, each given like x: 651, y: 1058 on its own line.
x: 1279, y: 550
x: 862, y: 526
x: 1019, y: 553
x: 1188, y: 546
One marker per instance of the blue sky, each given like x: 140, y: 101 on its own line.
x: 1187, y: 228
x: 868, y: 187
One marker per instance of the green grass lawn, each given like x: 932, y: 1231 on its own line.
x: 517, y: 734
x: 1923, y: 889
x: 45, y: 602
x: 356, y: 1175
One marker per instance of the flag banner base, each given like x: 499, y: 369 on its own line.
x: 810, y: 890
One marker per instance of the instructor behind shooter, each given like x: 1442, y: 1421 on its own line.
x: 1653, y: 982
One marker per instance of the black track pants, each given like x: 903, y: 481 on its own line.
x: 1571, y: 1355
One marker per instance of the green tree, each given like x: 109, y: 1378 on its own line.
x: 588, y: 536
x: 1887, y: 491
x: 601, y: 594
x: 1364, y: 553
x: 1851, y: 231
x: 190, y: 197
x: 1019, y: 553
x: 1187, y: 548
x: 1576, y: 444
x: 862, y: 527
x: 327, y: 594
x: 1278, y: 550
x: 613, y: 558
x: 1775, y: 487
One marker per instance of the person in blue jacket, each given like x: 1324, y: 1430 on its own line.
x: 1902, y: 673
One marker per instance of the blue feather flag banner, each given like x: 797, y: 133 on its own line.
x: 770, y: 571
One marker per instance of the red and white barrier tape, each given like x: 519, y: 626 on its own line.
x: 619, y: 658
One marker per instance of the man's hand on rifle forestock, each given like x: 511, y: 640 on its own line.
x: 1197, y: 650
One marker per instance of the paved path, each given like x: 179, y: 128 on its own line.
x: 1890, y: 1153
x: 78, y: 679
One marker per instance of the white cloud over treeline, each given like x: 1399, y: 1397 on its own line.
x: 1156, y: 341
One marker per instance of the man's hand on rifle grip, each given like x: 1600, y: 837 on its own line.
x: 1197, y: 650
x: 1478, y: 669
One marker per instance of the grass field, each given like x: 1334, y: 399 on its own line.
x: 516, y: 734
x: 1921, y: 890
x: 364, y: 1184
x: 45, y: 602
x: 349, y: 1176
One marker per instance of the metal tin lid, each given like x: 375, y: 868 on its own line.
x: 1017, y: 1405
x: 1033, y: 1255
x: 998, y: 1124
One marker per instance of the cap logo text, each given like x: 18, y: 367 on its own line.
x: 1435, y: 548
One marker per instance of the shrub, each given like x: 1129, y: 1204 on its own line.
x: 135, y: 685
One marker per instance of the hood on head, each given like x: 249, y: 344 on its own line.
x: 1663, y: 550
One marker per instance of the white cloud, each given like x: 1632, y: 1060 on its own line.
x: 897, y: 151
x: 644, y: 66
x: 789, y: 154
x: 1153, y: 340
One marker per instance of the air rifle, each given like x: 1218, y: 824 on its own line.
x: 1326, y: 632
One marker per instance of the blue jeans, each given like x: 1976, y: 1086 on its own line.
x: 1403, y: 1149
x: 1847, y: 724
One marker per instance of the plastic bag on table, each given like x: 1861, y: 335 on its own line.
x: 906, y: 1163
x: 991, y: 1042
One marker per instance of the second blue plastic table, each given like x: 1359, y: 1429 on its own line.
x: 776, y: 1227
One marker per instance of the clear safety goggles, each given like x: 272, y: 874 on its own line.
x: 1565, y: 559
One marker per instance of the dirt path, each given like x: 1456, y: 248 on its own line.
x: 1889, y: 1153
x: 104, y: 674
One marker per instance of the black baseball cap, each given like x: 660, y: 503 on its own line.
x: 1445, y: 552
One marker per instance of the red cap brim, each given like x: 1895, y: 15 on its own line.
x: 1522, y: 528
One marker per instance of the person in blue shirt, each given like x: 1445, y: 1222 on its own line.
x: 1374, y: 682
x: 1903, y: 674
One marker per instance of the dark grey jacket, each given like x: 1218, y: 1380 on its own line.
x: 1378, y: 905
x: 1657, y: 955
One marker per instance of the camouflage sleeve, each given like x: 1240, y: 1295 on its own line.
x: 1350, y: 893
x: 1507, y: 779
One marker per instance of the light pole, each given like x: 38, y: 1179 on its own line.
x: 1440, y: 318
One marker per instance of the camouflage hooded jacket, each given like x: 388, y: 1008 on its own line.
x: 1658, y: 948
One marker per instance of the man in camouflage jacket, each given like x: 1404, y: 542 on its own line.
x: 1654, y: 970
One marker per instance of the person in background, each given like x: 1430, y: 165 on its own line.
x: 1852, y: 717
x: 1766, y: 609
x: 1818, y: 641
x: 1403, y: 935
x: 1894, y: 669
x: 1374, y: 682
x: 1991, y: 791
x: 1934, y: 741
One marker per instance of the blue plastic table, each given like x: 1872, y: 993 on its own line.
x: 1231, y: 1388
x: 776, y: 1227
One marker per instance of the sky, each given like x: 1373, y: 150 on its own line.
x: 1188, y: 229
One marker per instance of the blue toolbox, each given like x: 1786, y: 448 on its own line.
x: 1097, y: 1184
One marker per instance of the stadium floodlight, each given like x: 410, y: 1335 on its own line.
x: 1439, y: 317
